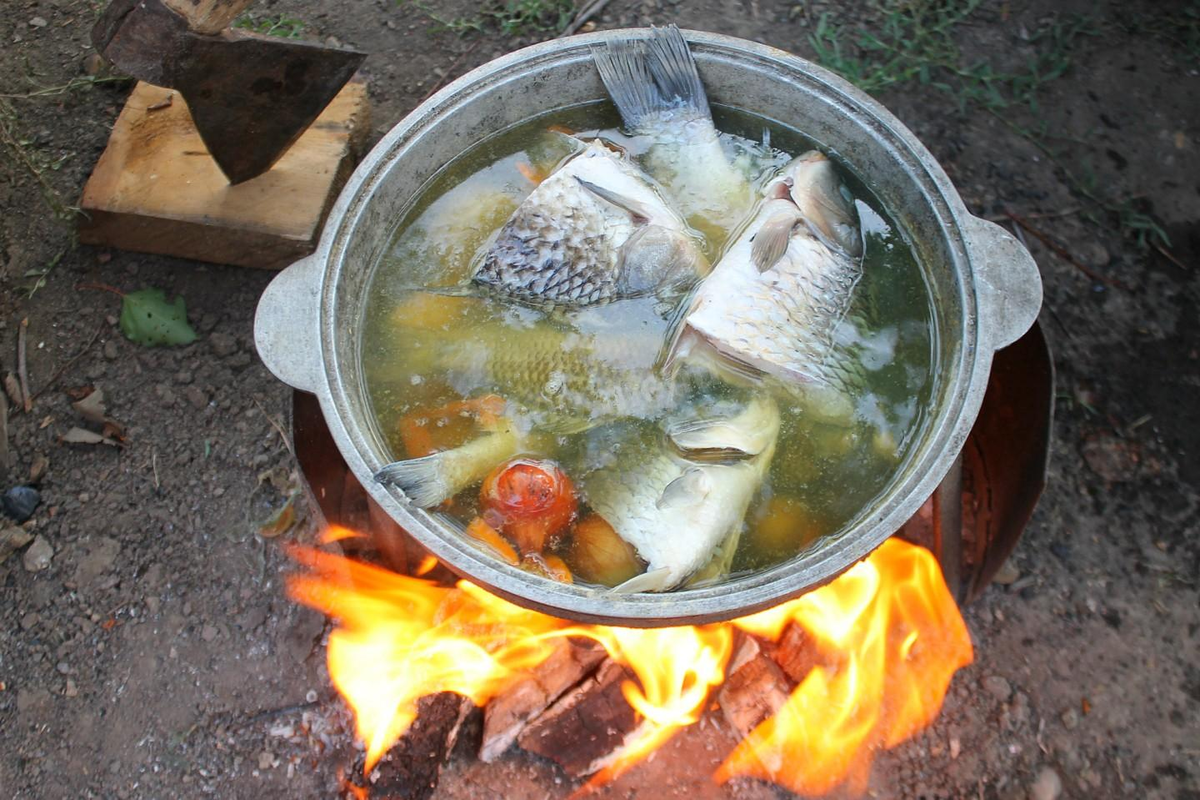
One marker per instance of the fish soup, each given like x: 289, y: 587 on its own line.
x: 576, y: 442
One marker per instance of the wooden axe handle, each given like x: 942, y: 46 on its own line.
x: 208, y: 16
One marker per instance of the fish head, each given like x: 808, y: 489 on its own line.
x: 655, y: 257
x: 812, y: 183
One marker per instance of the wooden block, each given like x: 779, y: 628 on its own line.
x: 754, y: 690
x: 584, y: 728
x: 156, y: 190
x: 411, y: 769
x: 796, y: 653
x: 507, y: 716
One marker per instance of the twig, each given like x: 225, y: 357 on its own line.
x: 74, y: 83
x: 582, y: 16
x: 101, y: 287
x: 1167, y: 254
x: 54, y: 378
x: 275, y: 425
x: 22, y: 371
x: 442, y: 80
x: 1062, y: 253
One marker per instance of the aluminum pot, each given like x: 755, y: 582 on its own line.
x: 986, y: 289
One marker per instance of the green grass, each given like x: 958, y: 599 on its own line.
x: 279, y: 25
x: 508, y: 17
x: 916, y: 42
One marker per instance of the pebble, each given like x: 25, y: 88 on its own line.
x: 93, y: 63
x: 1048, y: 785
x: 266, y: 760
x: 997, y: 686
x: 38, y: 556
x: 110, y: 350
x: 20, y: 501
x: 165, y: 395
x: 196, y: 397
x: 38, y: 22
x: 71, y: 690
x: 1070, y: 719
x: 208, y: 633
x: 38, y: 468
x: 1007, y: 574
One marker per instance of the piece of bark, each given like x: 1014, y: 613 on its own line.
x: 754, y: 689
x: 388, y: 537
x: 411, y: 769
x: 508, y: 715
x: 796, y: 653
x: 4, y: 452
x: 589, y: 723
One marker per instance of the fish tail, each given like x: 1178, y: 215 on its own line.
x: 646, y: 78
x: 429, y: 480
x: 656, y: 580
x: 423, y: 480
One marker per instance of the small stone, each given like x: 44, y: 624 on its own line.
x: 1007, y: 574
x: 63, y: 668
x: 165, y: 395
x: 13, y: 539
x: 310, y: 696
x: 266, y: 760
x: 38, y: 22
x: 1048, y: 785
x: 223, y: 344
x: 93, y: 64
x: 71, y: 690
x: 20, y: 501
x: 997, y: 686
x: 1070, y: 719
x: 30, y: 620
x: 110, y: 350
x: 208, y: 633
x: 38, y: 556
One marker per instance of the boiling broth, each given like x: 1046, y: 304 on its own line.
x: 823, y: 476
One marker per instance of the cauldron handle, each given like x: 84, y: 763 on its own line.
x: 1010, y: 285
x: 285, y: 325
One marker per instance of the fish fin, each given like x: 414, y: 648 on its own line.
x: 567, y: 426
x: 674, y: 71
x: 423, y: 480
x: 647, y: 77
x: 688, y: 489
x: 719, y: 565
x: 636, y: 210
x: 656, y: 580
x: 709, y: 440
x: 655, y: 257
x: 771, y: 240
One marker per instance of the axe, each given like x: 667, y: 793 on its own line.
x: 250, y: 96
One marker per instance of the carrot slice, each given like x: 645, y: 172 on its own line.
x: 482, y: 532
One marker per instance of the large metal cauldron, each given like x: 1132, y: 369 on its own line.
x: 986, y: 287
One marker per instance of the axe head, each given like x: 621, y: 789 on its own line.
x: 250, y: 96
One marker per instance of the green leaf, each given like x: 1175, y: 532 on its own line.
x: 148, y: 319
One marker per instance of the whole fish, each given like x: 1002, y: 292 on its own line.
x: 657, y: 90
x: 774, y: 302
x: 555, y: 381
x: 595, y: 230
x: 682, y: 502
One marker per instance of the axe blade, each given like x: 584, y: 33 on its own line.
x: 252, y: 96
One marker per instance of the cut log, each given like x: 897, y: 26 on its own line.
x: 754, y: 689
x: 508, y: 715
x: 587, y: 725
x: 157, y: 190
x: 411, y: 769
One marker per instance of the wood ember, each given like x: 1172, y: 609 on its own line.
x: 412, y: 768
x: 510, y: 713
x: 754, y: 689
x: 587, y: 725
x: 796, y: 653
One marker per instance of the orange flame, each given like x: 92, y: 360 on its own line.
x: 895, y: 638
x: 888, y: 631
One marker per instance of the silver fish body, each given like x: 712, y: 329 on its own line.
x: 680, y: 512
x: 595, y: 230
x: 774, y: 303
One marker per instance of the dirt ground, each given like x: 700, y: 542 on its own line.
x: 156, y: 655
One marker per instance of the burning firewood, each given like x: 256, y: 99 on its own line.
x: 412, y: 768
x: 510, y: 713
x: 754, y: 689
x: 587, y: 725
x: 795, y: 653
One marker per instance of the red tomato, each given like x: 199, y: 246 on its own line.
x: 529, y: 501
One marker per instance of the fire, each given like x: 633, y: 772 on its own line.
x: 892, y: 639
x: 888, y: 634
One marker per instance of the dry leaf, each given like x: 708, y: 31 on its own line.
x: 82, y: 436
x: 45, y: 423
x: 80, y: 392
x: 282, y: 521
x: 91, y: 407
x: 13, y: 389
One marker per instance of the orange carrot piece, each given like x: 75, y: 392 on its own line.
x: 482, y: 532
